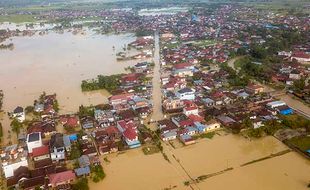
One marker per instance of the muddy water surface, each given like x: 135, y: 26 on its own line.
x: 57, y: 63
x: 133, y: 170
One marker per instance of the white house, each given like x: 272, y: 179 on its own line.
x: 169, y: 136
x: 186, y: 94
x: 183, y: 72
x: 57, y: 147
x: 275, y: 104
x: 34, y: 140
x: 190, y: 110
x: 8, y: 169
x: 285, y: 53
x: 212, y: 125
x: 19, y: 114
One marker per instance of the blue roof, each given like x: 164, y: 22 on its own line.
x: 88, y: 125
x: 82, y: 171
x: 67, y: 141
x: 200, y: 126
x: 207, y: 100
x: 185, y: 137
x: 243, y: 94
x: 191, y: 129
x: 73, y: 137
x: 84, y: 161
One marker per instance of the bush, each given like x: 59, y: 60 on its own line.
x: 29, y: 109
x: 98, y: 173
x: 209, y: 135
x: 303, y: 143
x: 82, y: 184
x: 75, y: 152
x: 256, y: 133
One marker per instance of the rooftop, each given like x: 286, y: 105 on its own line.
x: 33, y: 137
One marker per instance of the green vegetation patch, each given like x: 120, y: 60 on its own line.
x: 98, y: 173
x: 75, y: 152
x: 303, y: 143
x: 108, y: 83
x: 81, y: 184
x: 17, y: 18
x: 204, y: 43
x: 208, y: 135
x: 295, y: 121
x: 150, y: 149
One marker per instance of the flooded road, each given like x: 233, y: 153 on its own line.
x: 57, y: 63
x: 157, y: 97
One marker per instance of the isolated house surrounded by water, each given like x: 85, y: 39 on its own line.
x: 19, y: 114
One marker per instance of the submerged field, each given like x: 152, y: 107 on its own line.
x: 134, y: 170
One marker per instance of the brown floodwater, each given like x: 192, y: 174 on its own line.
x: 57, y: 63
x: 134, y: 170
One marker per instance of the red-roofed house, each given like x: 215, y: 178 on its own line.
x: 129, y: 132
x: 70, y: 121
x: 183, y: 66
x: 61, y: 178
x: 40, y: 153
x: 190, y: 108
x: 196, y: 118
x: 120, y: 98
x: 131, y: 78
x: 301, y: 56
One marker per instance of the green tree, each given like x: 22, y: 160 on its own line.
x: 29, y: 109
x: 86, y: 111
x: 16, y: 126
x: 98, y: 173
x: 258, y: 52
x: 241, y: 51
x: 81, y: 184
x: 299, y: 85
x: 247, y: 123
